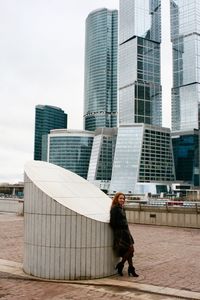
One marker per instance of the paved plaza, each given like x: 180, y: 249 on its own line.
x: 167, y: 259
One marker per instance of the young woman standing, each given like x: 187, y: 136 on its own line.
x: 123, y: 240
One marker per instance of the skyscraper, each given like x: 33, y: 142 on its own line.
x: 46, y: 118
x: 100, y: 94
x: 185, y: 37
x: 143, y: 160
x: 139, y: 62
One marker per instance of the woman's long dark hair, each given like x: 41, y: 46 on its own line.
x: 115, y: 198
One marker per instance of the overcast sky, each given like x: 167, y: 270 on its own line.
x: 42, y: 62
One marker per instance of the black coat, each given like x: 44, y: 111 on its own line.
x: 122, y: 236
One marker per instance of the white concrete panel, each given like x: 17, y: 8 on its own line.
x: 67, y: 263
x: 83, y: 231
x: 43, y: 229
x: 93, y: 234
x: 39, y: 260
x: 43, y: 262
x: 47, y: 262
x: 53, y: 230
x: 57, y: 263
x: 57, y: 231
x: 53, y: 207
x: 93, y: 264
x: 62, y: 231
x: 48, y: 205
x: 52, y: 263
x: 62, y: 263
x: 78, y: 231
x: 48, y: 232
x: 97, y: 262
x: 72, y: 258
x: 98, y: 235
x: 68, y: 232
x: 83, y: 262
x: 88, y: 262
x: 73, y: 232
x: 78, y: 263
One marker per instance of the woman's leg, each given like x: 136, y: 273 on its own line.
x: 131, y: 268
x: 126, y: 256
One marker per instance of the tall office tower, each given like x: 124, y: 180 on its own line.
x: 139, y: 62
x: 100, y: 94
x: 185, y: 37
x: 143, y: 160
x: 46, y: 118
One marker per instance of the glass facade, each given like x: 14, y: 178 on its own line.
x: 139, y: 62
x: 185, y: 37
x: 46, y: 118
x: 186, y: 156
x: 100, y: 91
x: 156, y: 163
x: 127, y: 159
x: 70, y: 150
x: 143, y: 155
x: 100, y: 168
x: 140, y: 18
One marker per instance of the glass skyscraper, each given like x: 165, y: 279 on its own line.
x: 185, y: 37
x: 46, y: 118
x: 143, y: 160
x: 139, y: 62
x: 100, y: 86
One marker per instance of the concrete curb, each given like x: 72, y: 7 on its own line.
x: 16, y: 270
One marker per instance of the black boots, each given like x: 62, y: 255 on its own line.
x: 119, y: 268
x: 131, y: 271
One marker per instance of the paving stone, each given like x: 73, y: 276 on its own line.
x: 167, y: 257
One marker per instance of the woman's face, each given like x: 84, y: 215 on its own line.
x: 121, y: 200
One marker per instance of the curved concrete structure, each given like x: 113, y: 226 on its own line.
x: 67, y: 234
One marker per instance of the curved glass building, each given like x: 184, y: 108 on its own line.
x: 100, y: 94
x: 70, y: 149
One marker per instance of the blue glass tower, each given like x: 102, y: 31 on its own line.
x: 100, y: 94
x: 47, y: 118
x: 186, y: 156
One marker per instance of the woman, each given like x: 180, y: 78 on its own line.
x: 123, y: 240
